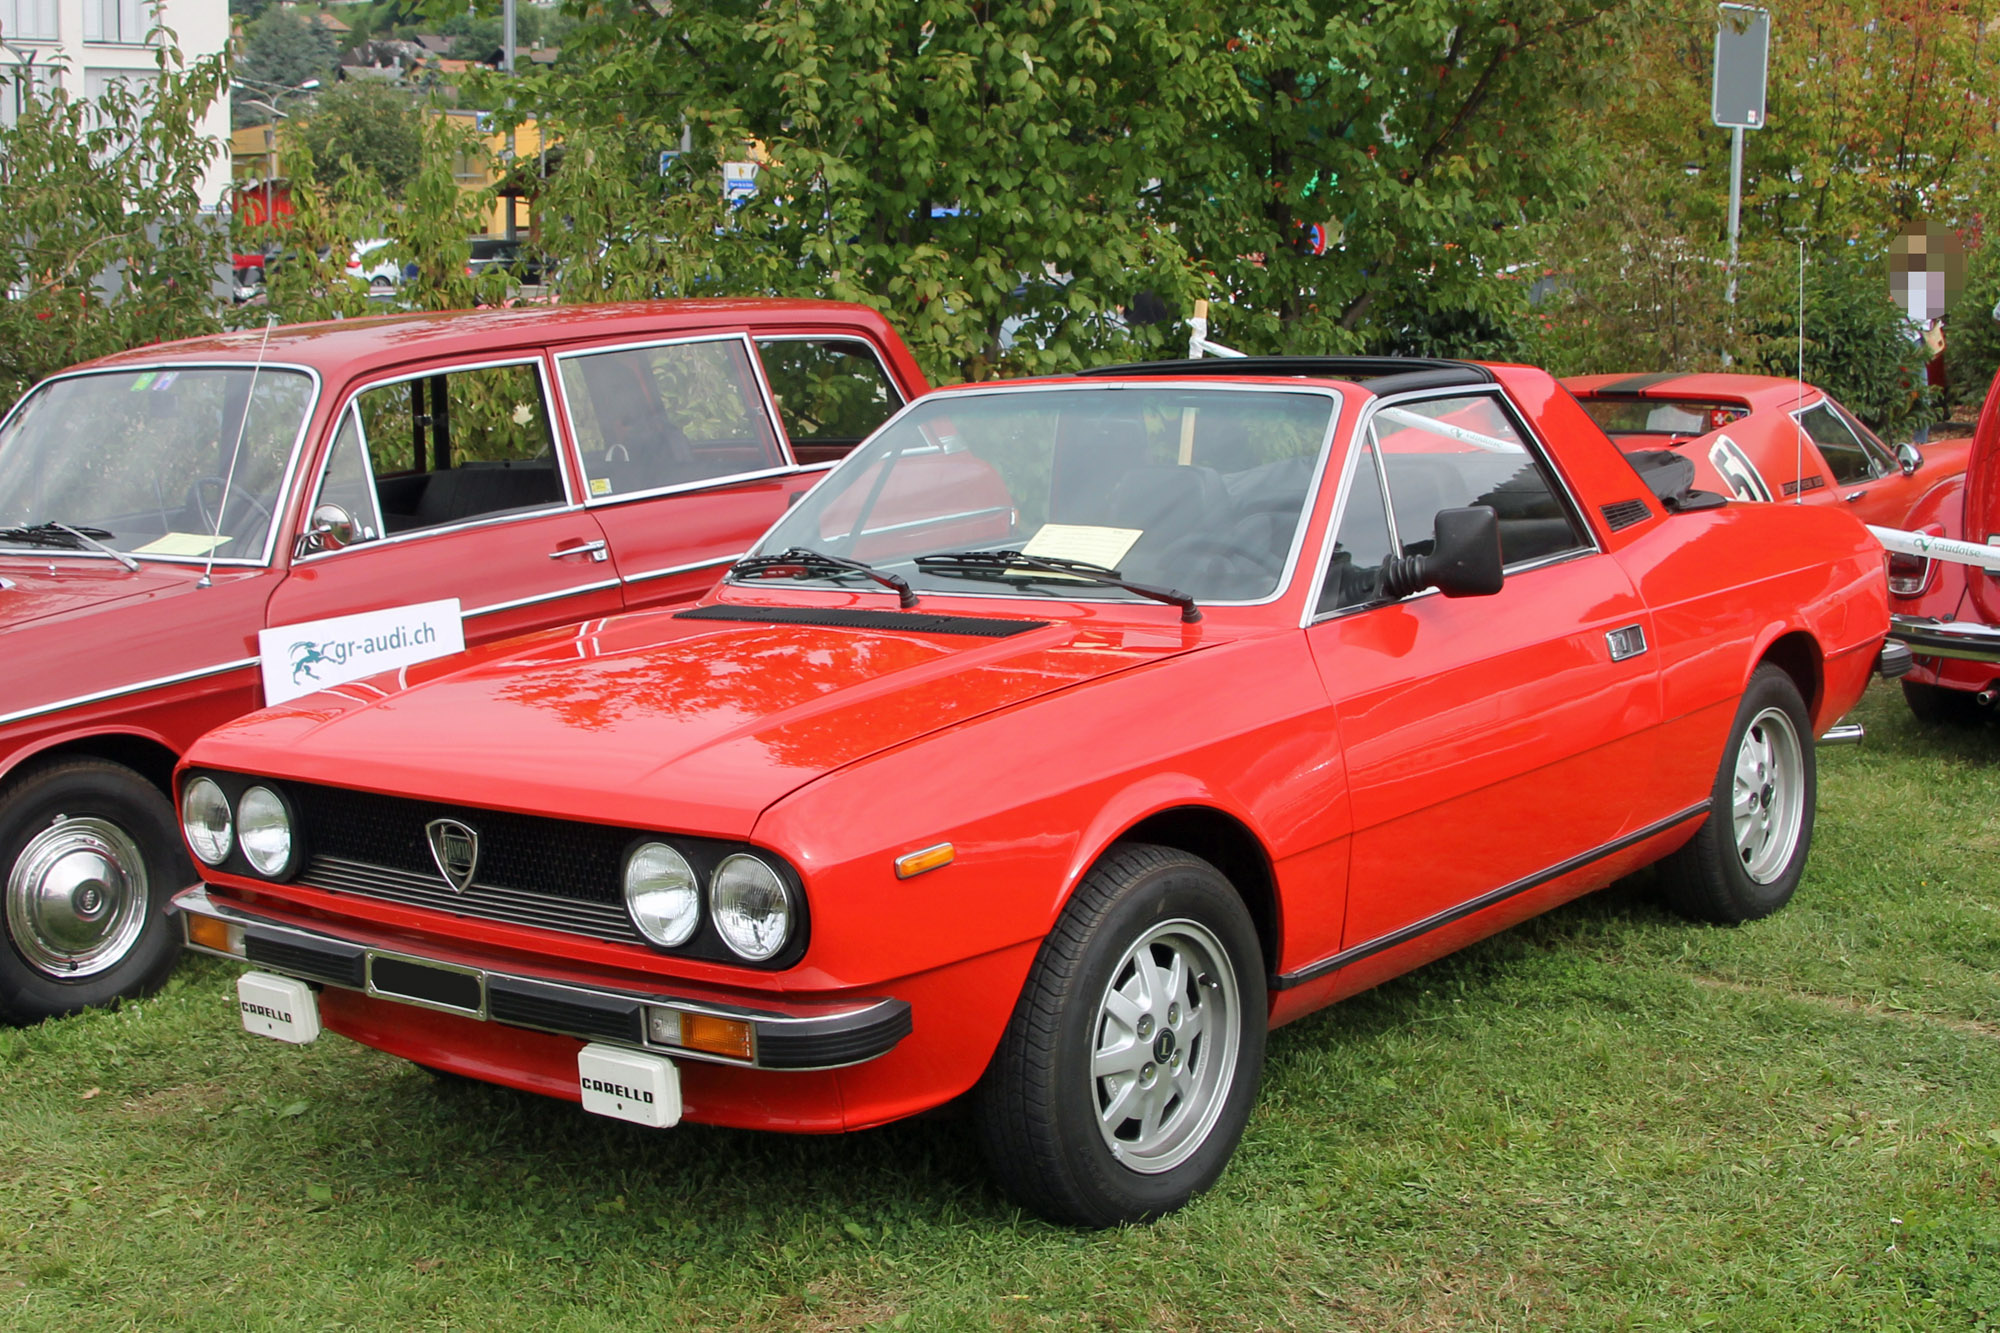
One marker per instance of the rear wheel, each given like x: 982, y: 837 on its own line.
x: 91, y: 854
x: 1746, y: 860
x: 1129, y: 1068
x: 1937, y: 706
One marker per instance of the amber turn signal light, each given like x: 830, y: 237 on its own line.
x: 930, y: 858
x: 210, y: 932
x: 717, y: 1036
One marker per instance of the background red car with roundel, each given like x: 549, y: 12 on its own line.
x: 191, y: 530
x: 1069, y: 736
x: 1758, y: 437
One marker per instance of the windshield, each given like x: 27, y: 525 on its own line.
x: 1201, y: 490
x: 1656, y: 416
x: 141, y: 459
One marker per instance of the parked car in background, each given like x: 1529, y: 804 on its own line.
x: 1068, y: 737
x: 161, y: 508
x: 370, y: 264
x: 1947, y: 612
x: 496, y: 252
x: 1756, y: 437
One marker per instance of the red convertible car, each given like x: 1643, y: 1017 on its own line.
x: 1948, y: 611
x: 1068, y: 737
x: 190, y: 531
x: 1756, y: 437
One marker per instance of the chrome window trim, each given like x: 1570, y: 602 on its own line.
x: 281, y: 504
x: 1881, y: 458
x: 766, y: 406
x: 1306, y: 508
x: 119, y: 691
x: 351, y: 403
x: 557, y: 595
x: 1534, y: 442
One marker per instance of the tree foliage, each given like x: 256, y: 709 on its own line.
x: 282, y: 50
x: 103, y: 244
x: 362, y: 127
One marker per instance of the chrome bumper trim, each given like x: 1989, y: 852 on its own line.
x: 826, y: 1038
x: 1966, y: 640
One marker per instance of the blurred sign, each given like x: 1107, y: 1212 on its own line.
x: 739, y: 181
x: 1742, y: 57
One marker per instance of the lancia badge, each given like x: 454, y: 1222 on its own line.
x: 455, y: 848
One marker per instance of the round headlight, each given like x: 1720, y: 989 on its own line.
x: 662, y: 894
x: 752, y: 910
x: 206, y: 821
x: 264, y: 827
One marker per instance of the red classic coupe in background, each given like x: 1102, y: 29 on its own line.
x: 1755, y: 437
x: 1069, y: 736
x: 1949, y: 612
x: 459, y: 477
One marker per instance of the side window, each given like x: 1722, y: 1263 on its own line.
x: 1447, y: 453
x: 652, y: 417
x: 1354, y: 576
x: 347, y: 490
x: 831, y: 394
x: 458, y: 445
x: 1846, y: 456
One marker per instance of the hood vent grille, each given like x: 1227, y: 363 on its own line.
x: 980, y: 627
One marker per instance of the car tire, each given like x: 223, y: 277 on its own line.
x: 1746, y: 860
x: 1937, y: 706
x: 91, y: 855
x: 1149, y: 994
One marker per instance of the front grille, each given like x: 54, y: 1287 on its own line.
x: 485, y: 901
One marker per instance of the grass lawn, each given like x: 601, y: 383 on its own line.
x: 1606, y: 1119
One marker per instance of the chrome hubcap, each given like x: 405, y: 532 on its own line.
x: 1164, y: 1046
x: 76, y: 898
x: 1768, y: 804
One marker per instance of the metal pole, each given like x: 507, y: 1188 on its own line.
x: 507, y: 51
x: 1735, y: 200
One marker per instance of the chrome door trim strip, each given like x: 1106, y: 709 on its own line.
x: 1404, y: 934
x: 101, y: 695
x: 578, y: 590
x: 683, y: 569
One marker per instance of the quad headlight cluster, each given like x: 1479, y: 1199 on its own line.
x: 259, y: 826
x: 747, y: 900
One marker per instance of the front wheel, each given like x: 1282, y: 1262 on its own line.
x: 91, y: 854
x: 1130, y: 1065
x: 1746, y: 860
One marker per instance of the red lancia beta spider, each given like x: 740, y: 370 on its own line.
x: 1068, y: 737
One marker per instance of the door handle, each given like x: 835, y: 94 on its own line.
x: 1852, y: 496
x: 595, y: 550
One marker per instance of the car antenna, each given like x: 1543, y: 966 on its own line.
x: 1798, y: 426
x: 229, y: 477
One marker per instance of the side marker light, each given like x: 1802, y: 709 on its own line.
x: 930, y: 858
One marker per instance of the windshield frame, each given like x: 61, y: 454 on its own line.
x: 1206, y: 384
x: 280, y: 503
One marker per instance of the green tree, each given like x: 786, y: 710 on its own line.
x: 363, y: 126
x: 283, y: 50
x: 103, y: 243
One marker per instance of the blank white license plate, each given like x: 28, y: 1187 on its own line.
x: 281, y: 1007
x: 629, y: 1085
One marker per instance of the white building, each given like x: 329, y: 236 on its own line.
x: 85, y: 45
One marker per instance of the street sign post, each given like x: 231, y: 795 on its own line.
x: 1736, y: 102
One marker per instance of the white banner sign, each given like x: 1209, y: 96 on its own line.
x: 313, y: 654
x: 1938, y: 548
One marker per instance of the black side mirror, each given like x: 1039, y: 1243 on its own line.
x: 1464, y: 559
x: 1909, y: 458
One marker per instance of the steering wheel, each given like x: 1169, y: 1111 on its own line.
x: 206, y: 498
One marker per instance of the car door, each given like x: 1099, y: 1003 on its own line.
x: 683, y: 463
x: 1488, y: 739
x: 1864, y: 475
x: 447, y: 482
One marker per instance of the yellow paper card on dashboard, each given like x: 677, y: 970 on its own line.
x: 182, y: 543
x: 1082, y: 541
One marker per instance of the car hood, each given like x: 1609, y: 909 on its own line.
x: 658, y: 721
x: 34, y: 589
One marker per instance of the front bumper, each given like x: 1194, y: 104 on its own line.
x: 783, y: 1036
x: 1965, y: 640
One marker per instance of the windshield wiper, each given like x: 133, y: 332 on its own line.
x: 53, y: 533
x: 804, y: 559
x: 1014, y: 564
